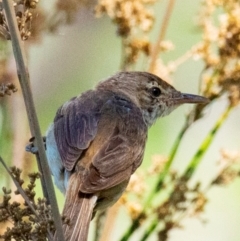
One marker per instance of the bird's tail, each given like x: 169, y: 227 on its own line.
x: 78, y: 209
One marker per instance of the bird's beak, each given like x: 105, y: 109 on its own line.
x: 190, y: 99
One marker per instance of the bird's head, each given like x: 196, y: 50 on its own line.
x: 155, y: 97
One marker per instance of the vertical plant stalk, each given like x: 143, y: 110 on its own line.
x: 110, y: 221
x: 167, y: 166
x: 195, y: 161
x: 156, y: 49
x: 123, y: 66
x: 23, y: 76
x: 206, y: 143
x: 150, y: 229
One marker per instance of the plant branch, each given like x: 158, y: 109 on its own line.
x: 156, y: 49
x: 23, y: 76
x: 20, y: 189
x: 23, y: 194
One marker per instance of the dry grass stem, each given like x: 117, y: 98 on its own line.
x: 156, y: 49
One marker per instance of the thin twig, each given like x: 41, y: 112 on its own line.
x: 20, y: 189
x: 156, y: 49
x: 31, y: 112
x: 23, y: 194
x: 124, y: 66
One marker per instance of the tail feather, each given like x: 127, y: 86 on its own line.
x: 80, y: 218
x: 78, y: 209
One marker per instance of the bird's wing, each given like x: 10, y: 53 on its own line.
x: 106, y: 134
x: 75, y: 126
x: 118, y: 147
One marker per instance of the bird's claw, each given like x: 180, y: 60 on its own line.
x: 33, y: 149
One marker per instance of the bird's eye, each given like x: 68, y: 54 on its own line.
x: 155, y: 91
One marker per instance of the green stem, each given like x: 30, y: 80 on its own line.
x: 195, y: 161
x: 206, y: 143
x: 150, y: 229
x: 167, y: 166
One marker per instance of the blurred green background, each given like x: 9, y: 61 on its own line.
x: 79, y: 55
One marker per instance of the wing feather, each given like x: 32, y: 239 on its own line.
x: 103, y: 136
x: 117, y: 149
x: 75, y: 126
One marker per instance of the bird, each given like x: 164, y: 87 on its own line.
x: 97, y: 141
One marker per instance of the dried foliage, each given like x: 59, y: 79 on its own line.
x: 133, y: 19
x: 25, y: 222
x: 220, y: 49
x: 229, y: 167
x: 24, y: 14
x: 7, y: 89
x: 129, y: 16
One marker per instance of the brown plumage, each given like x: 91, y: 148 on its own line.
x: 97, y: 141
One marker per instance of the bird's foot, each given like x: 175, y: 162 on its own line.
x: 33, y: 149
